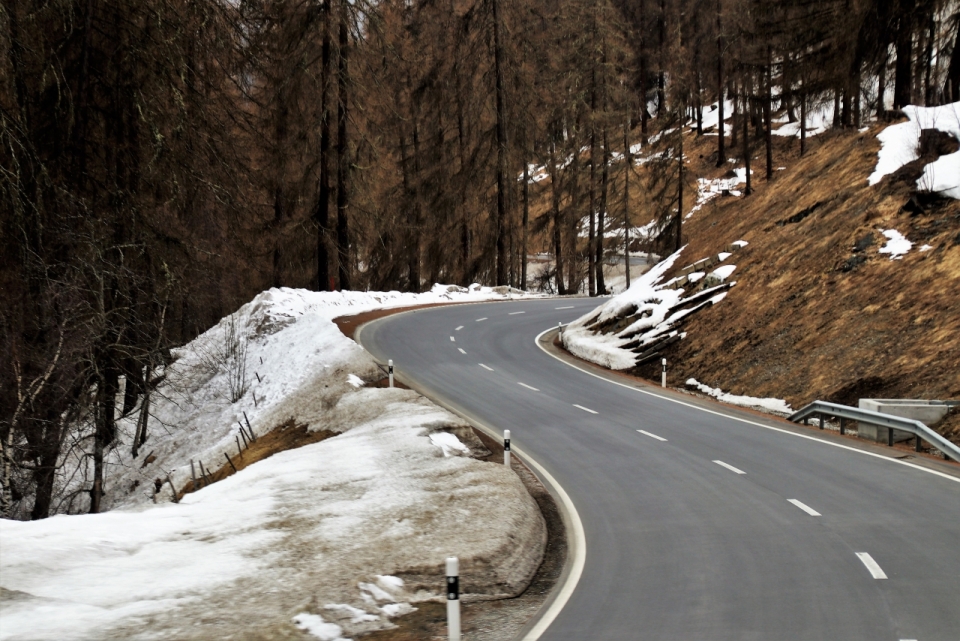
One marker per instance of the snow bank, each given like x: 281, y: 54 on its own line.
x: 304, y: 364
x: 656, y: 311
x: 775, y: 405
x: 258, y: 554
x: 900, y: 142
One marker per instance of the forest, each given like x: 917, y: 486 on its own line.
x: 162, y: 161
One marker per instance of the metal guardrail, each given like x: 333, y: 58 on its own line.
x: 823, y: 409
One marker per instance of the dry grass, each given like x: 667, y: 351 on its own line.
x: 286, y: 436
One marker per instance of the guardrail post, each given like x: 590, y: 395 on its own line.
x: 453, y: 598
x: 889, y: 437
x: 916, y: 444
x: 663, y: 376
x: 821, y: 420
x: 843, y: 425
x: 506, y: 448
x: 390, y: 371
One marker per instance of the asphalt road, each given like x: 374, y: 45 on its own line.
x: 680, y: 544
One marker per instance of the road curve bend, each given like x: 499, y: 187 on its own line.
x: 697, y: 524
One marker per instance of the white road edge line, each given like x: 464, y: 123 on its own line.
x: 729, y: 467
x: 482, y: 319
x: 461, y: 350
x: 453, y: 340
x: 803, y: 506
x: 659, y: 438
x: 485, y: 367
x: 458, y: 329
x: 567, y: 307
x: 527, y: 386
x: 875, y: 570
x: 585, y: 409
x: 743, y: 420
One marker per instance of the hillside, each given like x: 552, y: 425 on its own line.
x: 819, y: 311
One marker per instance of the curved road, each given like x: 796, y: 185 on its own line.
x: 704, y: 525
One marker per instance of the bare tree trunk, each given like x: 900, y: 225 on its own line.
x: 882, y: 83
x: 803, y: 119
x: 767, y: 108
x: 951, y: 86
x: 628, y: 159
x: 557, y: 220
x: 592, y: 231
x: 678, y: 239
x: 526, y: 220
x: 322, y: 211
x: 745, y: 137
x: 501, y: 115
x: 903, y: 80
x: 721, y: 150
x: 601, y: 214
x: 343, y: 227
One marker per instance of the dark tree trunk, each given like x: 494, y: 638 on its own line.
x: 501, y: 125
x: 882, y: 82
x: 601, y: 214
x: 322, y: 211
x: 557, y: 220
x: 628, y: 159
x: 767, y: 108
x: 523, y: 230
x: 903, y: 79
x: 951, y: 86
x: 721, y: 150
x: 343, y: 229
x: 745, y: 141
x: 678, y: 236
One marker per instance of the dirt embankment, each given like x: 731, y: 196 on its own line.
x: 818, y: 312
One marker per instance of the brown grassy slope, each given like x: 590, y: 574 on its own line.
x: 797, y: 326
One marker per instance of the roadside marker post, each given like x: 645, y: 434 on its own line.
x: 506, y: 448
x: 453, y: 598
x: 663, y: 377
x: 390, y: 371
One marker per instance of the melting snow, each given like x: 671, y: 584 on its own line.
x: 900, y: 144
x: 897, y: 245
x: 314, y: 625
x: 776, y: 405
x: 449, y: 444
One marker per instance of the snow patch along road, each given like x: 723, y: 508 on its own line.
x: 394, y: 493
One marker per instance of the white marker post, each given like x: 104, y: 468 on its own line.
x: 390, y: 370
x: 663, y: 377
x: 506, y: 448
x: 453, y: 598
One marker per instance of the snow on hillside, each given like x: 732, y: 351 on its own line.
x: 775, y: 405
x: 342, y: 534
x: 900, y: 145
x: 650, y: 312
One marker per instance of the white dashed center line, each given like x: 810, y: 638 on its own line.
x: 585, y: 409
x: 515, y: 313
x: 527, y: 386
x: 806, y: 508
x: 871, y: 565
x: 482, y: 319
x: 458, y: 329
x: 453, y: 340
x: 567, y: 307
x: 485, y: 367
x: 729, y: 467
x: 659, y: 438
x: 461, y: 350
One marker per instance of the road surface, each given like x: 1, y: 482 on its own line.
x: 697, y: 525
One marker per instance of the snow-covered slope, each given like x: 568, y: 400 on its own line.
x: 622, y: 330
x: 900, y: 145
x: 336, y: 537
